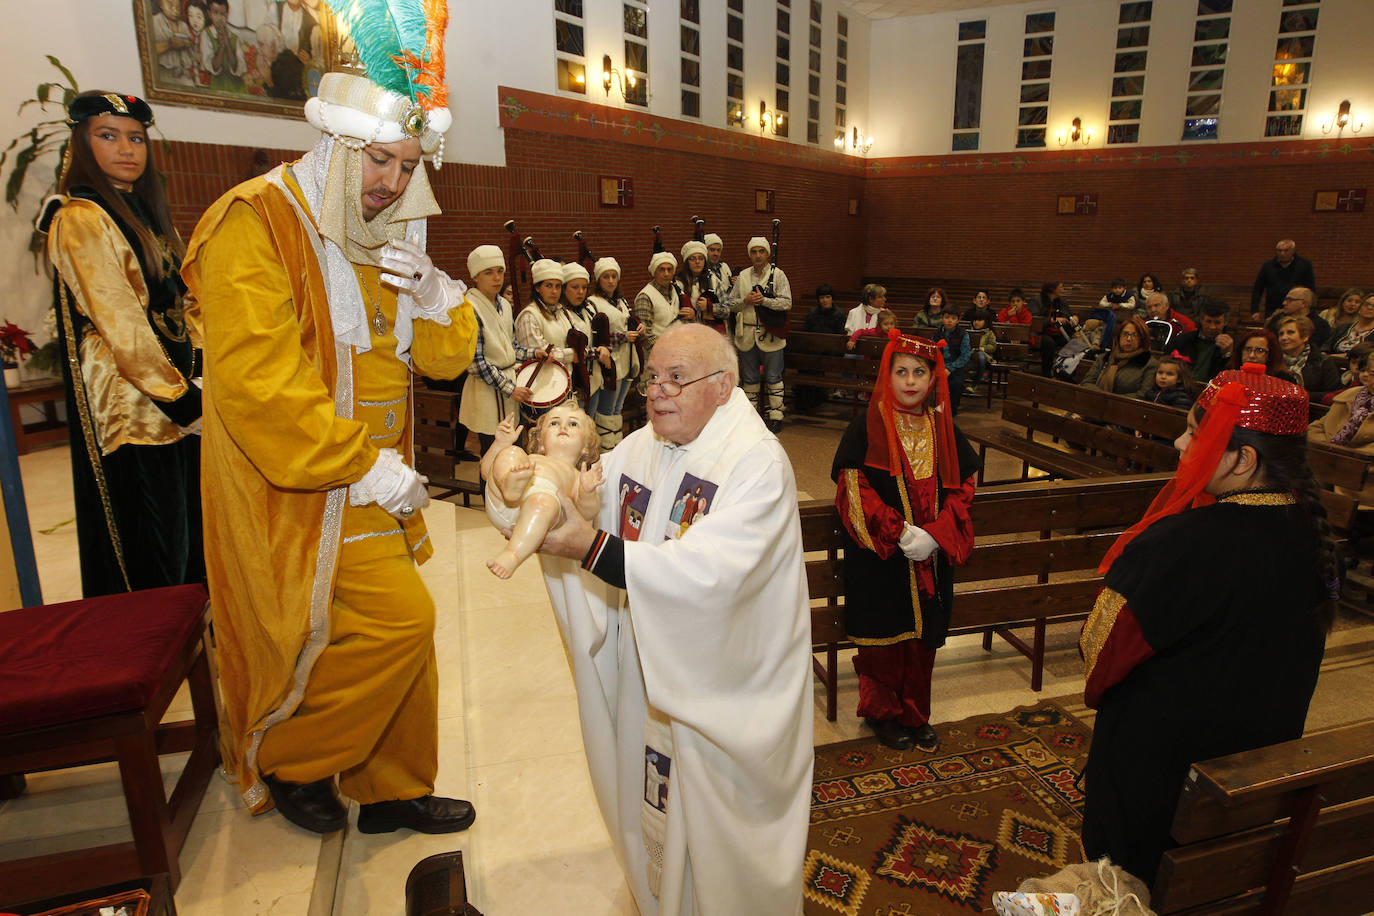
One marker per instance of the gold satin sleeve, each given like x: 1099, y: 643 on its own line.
x: 445, y: 351
x: 122, y: 362
x: 258, y: 377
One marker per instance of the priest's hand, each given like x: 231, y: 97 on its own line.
x: 573, y: 538
x: 917, y: 544
x: 406, y: 266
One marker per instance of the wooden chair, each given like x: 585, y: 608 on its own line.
x: 89, y: 682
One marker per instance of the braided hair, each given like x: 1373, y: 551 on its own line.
x: 1283, y: 462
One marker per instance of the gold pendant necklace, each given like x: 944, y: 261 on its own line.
x: 379, y: 324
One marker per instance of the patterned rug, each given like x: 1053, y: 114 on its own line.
x: 899, y: 833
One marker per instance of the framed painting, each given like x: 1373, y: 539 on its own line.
x: 259, y: 56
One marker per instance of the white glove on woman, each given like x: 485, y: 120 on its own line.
x: 406, y: 266
x: 917, y: 543
x: 391, y: 484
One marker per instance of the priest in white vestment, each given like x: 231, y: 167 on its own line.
x: 690, y: 645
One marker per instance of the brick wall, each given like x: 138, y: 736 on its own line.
x: 1003, y: 226
x: 1223, y: 221
x: 550, y: 188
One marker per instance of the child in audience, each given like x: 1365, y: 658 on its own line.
x: 1015, y: 311
x: 1173, y: 386
x: 958, y: 352
x: 1117, y: 297
x: 887, y: 320
x: 905, y: 479
x: 824, y: 318
x: 984, y: 343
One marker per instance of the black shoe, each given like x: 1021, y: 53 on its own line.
x: 774, y: 426
x: 466, y: 455
x: 426, y: 814
x: 313, y: 806
x: 923, y: 737
x: 890, y: 733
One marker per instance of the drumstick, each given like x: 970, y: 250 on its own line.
x: 538, y: 369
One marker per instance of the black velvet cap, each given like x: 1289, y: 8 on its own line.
x: 129, y: 106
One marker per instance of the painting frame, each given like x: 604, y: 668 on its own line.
x: 176, y: 77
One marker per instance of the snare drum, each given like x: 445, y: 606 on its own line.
x: 548, y: 379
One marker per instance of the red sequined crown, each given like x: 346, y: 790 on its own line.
x: 916, y: 346
x: 1272, y: 405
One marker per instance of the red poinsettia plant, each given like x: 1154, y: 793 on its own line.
x: 14, y: 341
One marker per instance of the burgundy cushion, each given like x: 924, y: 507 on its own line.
x: 66, y: 662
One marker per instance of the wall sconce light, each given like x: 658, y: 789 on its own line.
x: 858, y: 143
x: 1342, y: 120
x: 769, y: 122
x: 1076, y: 135
x: 610, y: 75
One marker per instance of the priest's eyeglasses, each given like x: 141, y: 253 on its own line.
x: 670, y: 388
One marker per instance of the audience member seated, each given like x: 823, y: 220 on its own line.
x: 1149, y: 283
x: 1299, y: 301
x: 1318, y: 374
x: 1158, y: 307
x: 1129, y: 368
x: 1350, y: 421
x: 982, y: 301
x: 1117, y: 297
x: 824, y: 318
x: 1261, y: 345
x: 865, y: 315
x: 1060, y: 323
x: 1285, y: 270
x: 929, y: 317
x: 887, y: 320
x: 984, y: 344
x: 1015, y: 311
x: 1189, y: 298
x: 1173, y: 385
x: 1344, y: 311
x: 1354, y: 332
x: 1207, y: 349
x: 958, y: 351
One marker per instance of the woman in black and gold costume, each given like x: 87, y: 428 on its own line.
x: 132, y: 364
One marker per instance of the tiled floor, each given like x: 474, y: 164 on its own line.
x: 508, y: 739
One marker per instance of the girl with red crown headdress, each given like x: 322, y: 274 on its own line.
x: 905, y: 480
x: 1208, y: 634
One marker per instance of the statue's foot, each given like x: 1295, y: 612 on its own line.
x: 503, y: 565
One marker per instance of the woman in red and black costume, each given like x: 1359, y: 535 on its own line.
x: 905, y: 479
x: 1208, y: 634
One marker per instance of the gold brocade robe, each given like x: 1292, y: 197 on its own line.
x: 278, y: 452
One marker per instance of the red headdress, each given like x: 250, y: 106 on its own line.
x: 883, y: 447
x: 1245, y: 397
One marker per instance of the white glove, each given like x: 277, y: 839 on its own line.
x: 917, y: 543
x: 391, y: 484
x: 406, y: 266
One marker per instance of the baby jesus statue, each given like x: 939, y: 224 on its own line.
x: 523, y: 488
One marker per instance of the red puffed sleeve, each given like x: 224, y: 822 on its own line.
x: 953, y: 528
x: 1112, y: 645
x: 870, y: 521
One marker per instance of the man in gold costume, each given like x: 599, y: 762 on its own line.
x: 318, y: 306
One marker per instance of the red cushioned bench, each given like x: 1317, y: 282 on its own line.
x: 89, y: 682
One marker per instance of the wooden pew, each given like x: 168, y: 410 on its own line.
x: 436, y: 442
x: 1281, y: 829
x: 1040, y: 405
x: 1064, y: 529
x: 820, y: 361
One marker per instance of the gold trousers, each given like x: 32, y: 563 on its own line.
x: 370, y: 712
